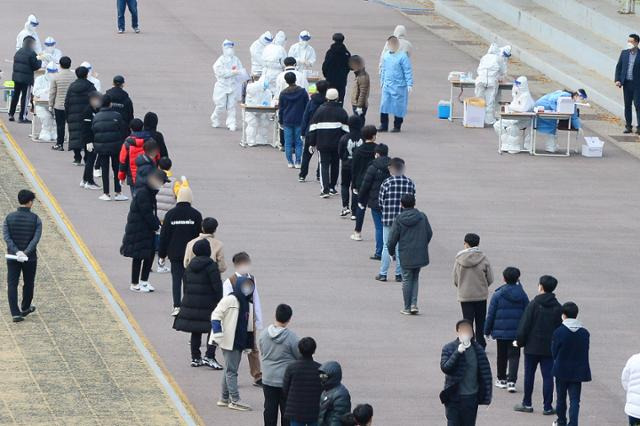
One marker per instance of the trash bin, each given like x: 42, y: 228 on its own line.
x: 444, y: 109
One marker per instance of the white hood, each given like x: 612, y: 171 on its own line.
x: 280, y: 38
x: 572, y: 324
x: 400, y: 31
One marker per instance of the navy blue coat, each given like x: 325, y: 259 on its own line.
x: 570, y: 350
x: 505, y: 311
x: 452, y: 364
x: 623, y: 65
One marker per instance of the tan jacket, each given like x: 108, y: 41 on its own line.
x: 227, y: 313
x: 216, y: 251
x: 360, y: 94
x: 472, y: 275
x: 59, y: 86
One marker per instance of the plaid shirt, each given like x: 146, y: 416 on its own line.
x: 391, y: 191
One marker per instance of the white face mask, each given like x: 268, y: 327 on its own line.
x: 631, y: 45
x: 465, y: 339
x: 244, y: 269
x: 228, y: 51
x: 304, y: 42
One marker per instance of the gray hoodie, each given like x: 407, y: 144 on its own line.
x: 278, y: 349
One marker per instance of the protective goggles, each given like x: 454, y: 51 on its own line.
x: 34, y: 24
x: 506, y: 55
x: 228, y: 44
x: 53, y: 43
x: 517, y: 83
x: 305, y: 38
x: 51, y: 70
x: 268, y: 39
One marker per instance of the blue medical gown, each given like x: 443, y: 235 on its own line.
x: 395, y: 76
x: 550, y: 103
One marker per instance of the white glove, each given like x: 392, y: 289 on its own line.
x: 90, y: 147
x: 410, y: 89
x: 312, y: 149
x: 21, y: 256
x: 461, y: 348
x: 355, y: 191
x: 515, y: 343
x: 360, y: 206
x: 359, y: 111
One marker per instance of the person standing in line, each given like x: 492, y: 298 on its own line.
x: 95, y: 102
x: 467, y: 382
x: 335, y: 400
x: 202, y: 293
x: 631, y: 385
x: 22, y: 230
x: 411, y: 233
x: 301, y: 386
x: 181, y: 224
x: 335, y: 67
x: 57, y: 95
x: 391, y: 192
x: 505, y: 311
x: 232, y: 326
x: 316, y: 100
x: 168, y: 195
x: 628, y: 78
x: 363, y: 156
x: 132, y: 148
x: 120, y: 100
x: 279, y: 348
x: 360, y: 94
x: 291, y: 105
x: 209, y: 228
x: 327, y: 126
x: 151, y: 125
x: 75, y: 103
x: 25, y: 63
x: 472, y: 276
x: 362, y: 416
x: 570, y: 350
x: 346, y: 147
x: 396, y: 78
x: 535, y: 331
x: 122, y: 5
x: 146, y: 163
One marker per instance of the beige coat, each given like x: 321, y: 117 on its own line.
x: 472, y: 275
x: 216, y: 251
x: 360, y: 92
x: 227, y: 313
x: 59, y: 86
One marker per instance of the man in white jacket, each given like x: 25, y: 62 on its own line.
x: 631, y: 384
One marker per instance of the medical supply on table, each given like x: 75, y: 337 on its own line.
x: 444, y: 109
x: 566, y: 105
x: 461, y: 76
x: 473, y: 112
x: 593, y: 147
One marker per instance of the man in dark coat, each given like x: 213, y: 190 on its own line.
x: 25, y: 63
x: 627, y: 77
x: 335, y: 67
x: 335, y: 400
x: 75, y: 103
x: 120, y: 100
x: 314, y: 103
x: 411, y: 232
x: 95, y: 102
x: 467, y: 382
x: 202, y: 292
x: 301, y: 386
x: 541, y: 318
x: 151, y: 126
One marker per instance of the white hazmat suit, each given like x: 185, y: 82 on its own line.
x: 405, y: 45
x: 229, y: 72
x: 257, y: 125
x: 304, y: 53
x: 272, y: 58
x: 29, y: 30
x: 490, y: 70
x: 92, y: 77
x: 41, y: 92
x: 281, y: 83
x: 514, y: 133
x: 256, y: 49
x: 50, y: 53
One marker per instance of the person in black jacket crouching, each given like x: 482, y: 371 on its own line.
x: 467, y: 382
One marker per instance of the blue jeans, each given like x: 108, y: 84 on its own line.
x: 377, y: 222
x: 530, y: 366
x: 133, y: 8
x: 295, y: 423
x: 386, y: 259
x: 292, y: 139
x: 573, y: 389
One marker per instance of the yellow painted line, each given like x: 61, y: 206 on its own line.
x: 99, y: 272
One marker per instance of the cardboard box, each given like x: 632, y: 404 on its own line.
x: 473, y: 112
x: 592, y: 147
x: 566, y: 105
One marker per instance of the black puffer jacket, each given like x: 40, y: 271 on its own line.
x: 25, y: 63
x: 376, y: 173
x: 335, y: 400
x: 540, y: 319
x: 22, y: 230
x: 87, y: 119
x: 202, y: 292
x: 121, y: 102
x: 302, y: 389
x: 328, y: 124
x: 151, y: 126
x: 75, y: 103
x: 181, y: 224
x: 108, y: 131
x: 142, y: 223
x: 452, y: 364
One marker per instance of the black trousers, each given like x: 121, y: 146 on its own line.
x: 103, y: 159
x: 345, y: 187
x: 462, y: 412
x: 140, y: 269
x: 89, y: 161
x: 177, y: 272
x: 196, y: 341
x: 384, y: 121
x: 507, y: 355
x: 61, y: 120
x: 77, y: 154
x: 362, y: 116
x: 631, y: 94
x: 20, y: 90
x: 476, y: 312
x: 329, y: 169
x: 273, y: 401
x: 306, y: 159
x: 28, y: 271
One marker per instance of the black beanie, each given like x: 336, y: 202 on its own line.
x: 202, y: 248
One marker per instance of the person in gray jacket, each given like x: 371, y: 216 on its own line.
x: 278, y: 348
x: 335, y: 400
x: 411, y: 233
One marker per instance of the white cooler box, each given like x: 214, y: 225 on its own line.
x: 592, y: 147
x: 473, y: 112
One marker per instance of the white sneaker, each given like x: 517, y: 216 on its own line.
x: 120, y: 197
x: 501, y: 384
x: 175, y: 311
x: 97, y: 173
x: 356, y: 236
x: 83, y: 183
x: 290, y: 165
x: 91, y: 186
x: 163, y: 269
x: 297, y: 166
x: 134, y: 287
x: 105, y: 197
x: 146, y: 285
x: 232, y: 128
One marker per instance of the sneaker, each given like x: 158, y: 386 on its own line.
x: 120, y: 197
x: 345, y: 212
x: 163, y: 269
x: 222, y: 403
x: 105, y: 197
x: 197, y: 362
x: 382, y: 278
x: 120, y: 31
x: 57, y: 147
x: 627, y: 130
x: 405, y: 312
x: 356, y: 236
x: 382, y: 129
x: 511, y: 387
x: 239, y: 406
x: 297, y: 166
x: 76, y: 163
x: 136, y: 30
x: 134, y: 287
x: 12, y: 118
x: 290, y: 165
x: 91, y: 186
x: 325, y: 195
x: 395, y: 130
x: 301, y: 179
x: 353, y: 217
x: 501, y: 384
x: 31, y: 309
x: 83, y: 183
x: 375, y: 257
x: 333, y: 191
x: 147, y: 286
x: 17, y: 318
x: 258, y: 383
x: 24, y: 121
x: 550, y: 412
x: 398, y: 278
x: 97, y: 173
x: 212, y: 363
x: 176, y: 311
x: 523, y: 408
x: 414, y: 310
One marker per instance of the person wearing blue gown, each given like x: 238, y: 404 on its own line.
x: 396, y: 79
x: 547, y: 126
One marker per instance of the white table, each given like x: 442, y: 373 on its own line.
x: 552, y: 115
x: 470, y: 85
x: 270, y: 111
x: 531, y: 116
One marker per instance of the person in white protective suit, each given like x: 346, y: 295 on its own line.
x: 29, y: 30
x: 50, y: 53
x: 93, y: 76
x: 41, y: 93
x: 281, y: 84
x: 258, y: 125
x: 256, y: 49
x: 490, y: 70
x: 513, y: 134
x: 273, y: 58
x: 405, y: 45
x: 226, y: 92
x: 304, y: 53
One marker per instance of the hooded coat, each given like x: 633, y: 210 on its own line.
x: 541, y: 318
x: 335, y: 400
x: 349, y: 143
x: 291, y: 105
x: 132, y: 148
x: 142, y: 223
x: 472, y: 275
x: 121, y: 102
x: 144, y: 165
x: 570, y: 351
x: 314, y: 103
x: 335, y: 67
x: 151, y: 126
x: 75, y: 103
x: 202, y: 292
x: 411, y: 233
x: 182, y: 224
x: 278, y: 348
x: 376, y: 173
x: 505, y: 311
